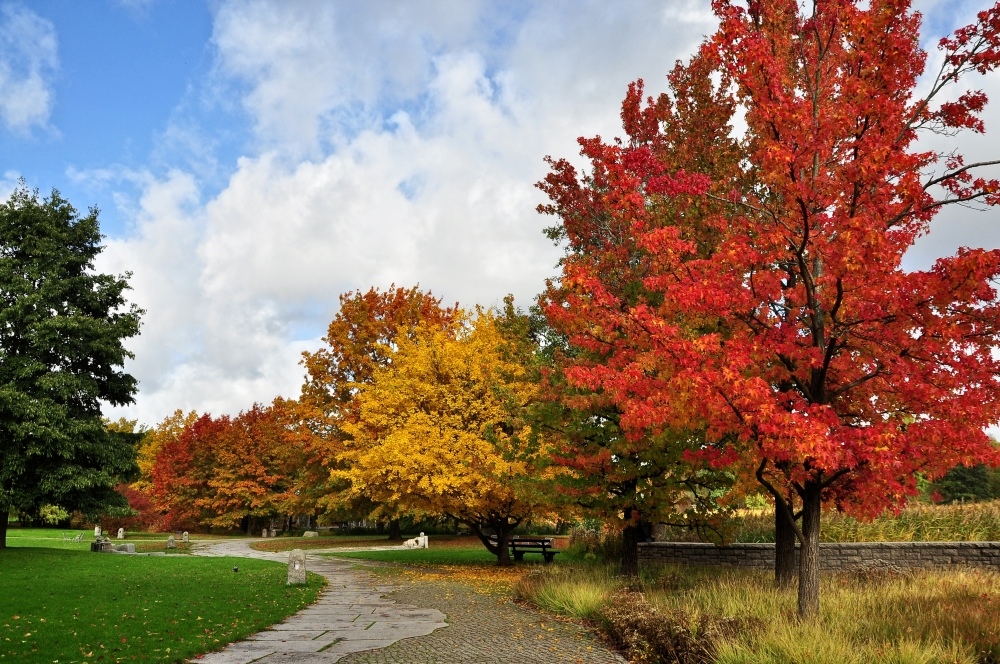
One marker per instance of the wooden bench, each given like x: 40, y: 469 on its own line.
x: 522, y: 545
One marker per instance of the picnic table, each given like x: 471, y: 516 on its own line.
x: 520, y: 545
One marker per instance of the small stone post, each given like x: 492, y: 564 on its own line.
x: 264, y: 533
x: 121, y: 533
x: 97, y: 531
x: 171, y: 542
x: 184, y: 537
x: 296, y: 567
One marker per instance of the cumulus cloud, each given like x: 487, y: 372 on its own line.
x: 28, y: 60
x: 391, y: 142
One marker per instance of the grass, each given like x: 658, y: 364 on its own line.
x: 914, y: 618
x: 443, y: 550
x: 959, y: 522
x: 60, y: 605
x: 434, y: 556
x: 456, y: 558
x: 53, y: 539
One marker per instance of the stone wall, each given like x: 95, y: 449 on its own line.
x: 833, y: 556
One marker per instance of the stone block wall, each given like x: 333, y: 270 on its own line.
x: 833, y: 556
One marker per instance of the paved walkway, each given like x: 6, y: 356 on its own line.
x: 351, y: 615
x: 355, y: 624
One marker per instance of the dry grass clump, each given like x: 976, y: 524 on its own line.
x: 648, y: 634
x: 869, y: 616
x: 568, y: 592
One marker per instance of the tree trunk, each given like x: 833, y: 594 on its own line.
x: 395, y: 535
x: 630, y: 544
x: 503, y: 549
x: 4, y: 516
x: 809, y: 553
x: 500, y: 549
x: 784, y: 547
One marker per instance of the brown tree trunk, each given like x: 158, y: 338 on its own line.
x: 630, y: 544
x: 784, y: 547
x: 503, y: 549
x: 395, y: 535
x: 500, y: 548
x: 809, y: 553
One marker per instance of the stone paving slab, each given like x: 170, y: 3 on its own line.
x: 342, y: 621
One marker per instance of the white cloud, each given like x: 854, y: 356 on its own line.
x: 397, y: 142
x: 392, y: 142
x: 28, y: 60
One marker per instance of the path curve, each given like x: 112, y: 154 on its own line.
x: 351, y: 615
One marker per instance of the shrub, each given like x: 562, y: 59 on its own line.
x: 647, y: 634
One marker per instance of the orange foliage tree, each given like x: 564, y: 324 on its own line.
x: 837, y: 372
x: 226, y: 472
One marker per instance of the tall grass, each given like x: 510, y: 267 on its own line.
x: 958, y: 522
x: 737, y: 616
x: 567, y: 592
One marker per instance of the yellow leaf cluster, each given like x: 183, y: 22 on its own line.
x: 439, y: 429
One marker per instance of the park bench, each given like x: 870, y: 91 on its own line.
x: 522, y: 545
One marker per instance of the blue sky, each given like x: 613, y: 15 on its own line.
x: 122, y: 72
x: 253, y: 159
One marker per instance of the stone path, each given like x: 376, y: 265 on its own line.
x: 355, y: 624
x: 351, y: 615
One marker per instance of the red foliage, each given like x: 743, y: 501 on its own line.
x: 795, y: 336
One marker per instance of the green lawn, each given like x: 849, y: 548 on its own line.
x: 54, y: 539
x: 455, y: 556
x: 60, y: 605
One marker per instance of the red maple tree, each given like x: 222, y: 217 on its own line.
x: 797, y: 339
x: 633, y: 481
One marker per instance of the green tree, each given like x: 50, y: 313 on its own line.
x: 969, y: 483
x: 62, y: 328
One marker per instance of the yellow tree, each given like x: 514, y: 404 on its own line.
x: 439, y: 430
x: 360, y: 339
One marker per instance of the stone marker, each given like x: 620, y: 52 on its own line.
x: 125, y: 548
x: 171, y: 542
x: 296, y: 567
x: 121, y: 533
x: 97, y: 531
x: 264, y: 533
x: 310, y: 533
x: 274, y: 532
x: 184, y: 537
x: 419, y: 542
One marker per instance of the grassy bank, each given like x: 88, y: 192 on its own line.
x: 61, y: 605
x: 735, y: 617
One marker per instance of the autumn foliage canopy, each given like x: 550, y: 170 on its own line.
x: 783, y: 322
